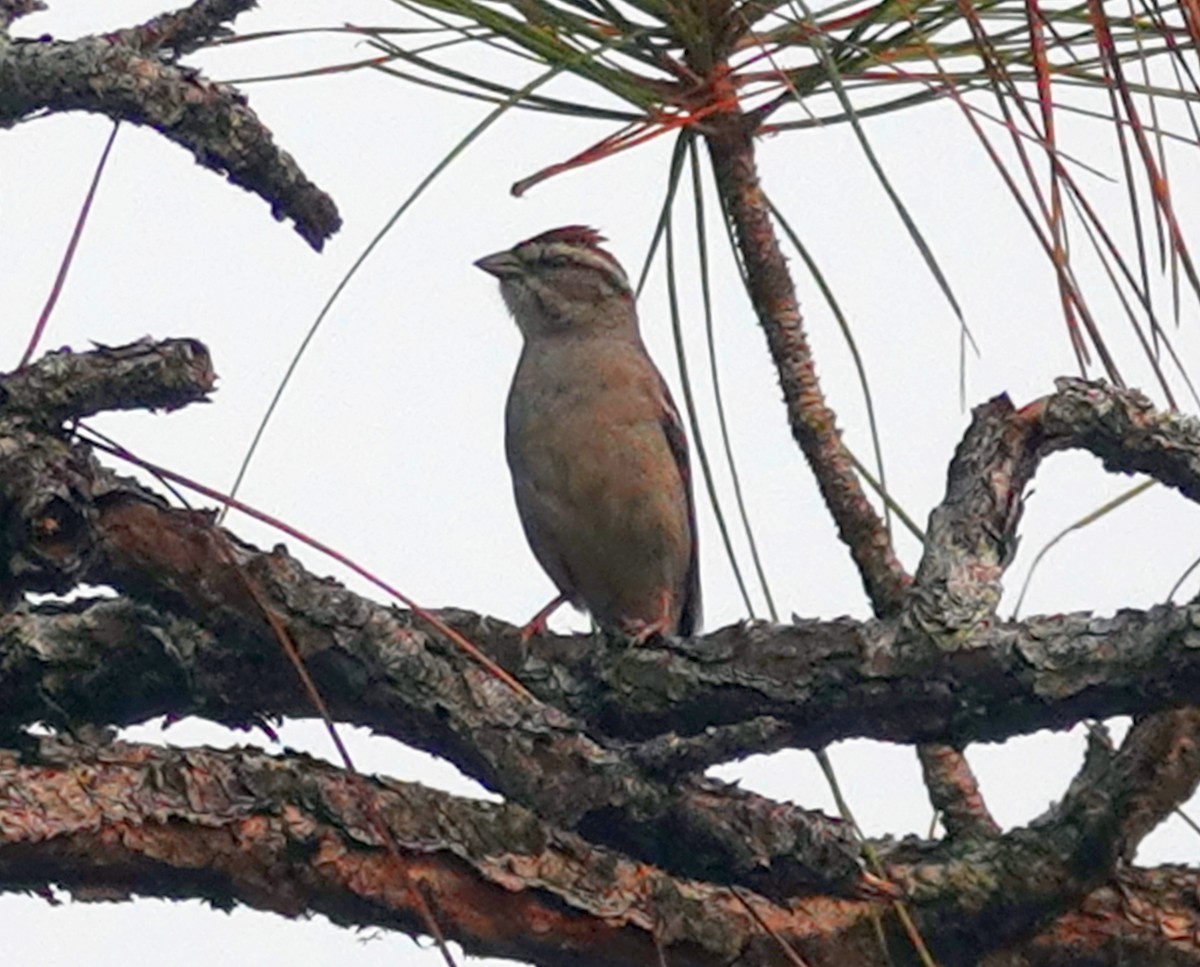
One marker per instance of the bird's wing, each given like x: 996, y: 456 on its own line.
x: 672, y: 425
x: 546, y: 523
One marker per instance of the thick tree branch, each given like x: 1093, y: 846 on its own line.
x: 1043, y: 870
x: 599, y: 756
x: 954, y: 791
x: 122, y: 76
x: 185, y: 31
x: 12, y: 10
x: 1144, y: 917
x: 823, y: 680
x: 73, y: 522
x: 677, y: 707
x: 1166, y: 746
x: 144, y: 375
x: 971, y: 536
x: 294, y: 836
x: 973, y: 533
x: 435, y: 697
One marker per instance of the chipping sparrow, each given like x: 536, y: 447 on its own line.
x: 597, y: 452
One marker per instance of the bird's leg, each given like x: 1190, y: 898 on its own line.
x: 537, y: 624
x: 642, y: 631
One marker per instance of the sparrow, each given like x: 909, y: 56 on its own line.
x: 597, y: 452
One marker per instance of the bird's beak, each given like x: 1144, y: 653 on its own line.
x: 503, y: 265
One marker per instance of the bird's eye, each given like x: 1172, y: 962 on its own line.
x: 556, y: 261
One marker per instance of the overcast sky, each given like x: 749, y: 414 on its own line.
x: 388, y: 444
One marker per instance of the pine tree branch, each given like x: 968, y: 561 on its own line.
x: 124, y: 75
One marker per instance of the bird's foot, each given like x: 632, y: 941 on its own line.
x: 641, y: 631
x: 537, y: 624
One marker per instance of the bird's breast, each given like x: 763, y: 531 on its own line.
x: 598, y: 487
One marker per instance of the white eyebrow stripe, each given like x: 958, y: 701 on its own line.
x: 601, y: 261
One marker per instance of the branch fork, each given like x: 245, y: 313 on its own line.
x: 608, y: 759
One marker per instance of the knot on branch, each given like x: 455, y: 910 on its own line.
x: 46, y: 515
x: 48, y: 483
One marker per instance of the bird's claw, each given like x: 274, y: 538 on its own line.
x: 537, y: 624
x: 641, y: 631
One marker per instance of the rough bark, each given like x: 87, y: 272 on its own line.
x: 126, y: 75
x: 295, y: 836
x: 611, y: 847
x: 603, y: 760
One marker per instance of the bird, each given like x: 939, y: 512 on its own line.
x: 594, y: 442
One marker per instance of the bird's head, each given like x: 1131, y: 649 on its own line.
x: 562, y: 283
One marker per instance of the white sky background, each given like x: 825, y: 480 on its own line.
x: 389, y: 442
